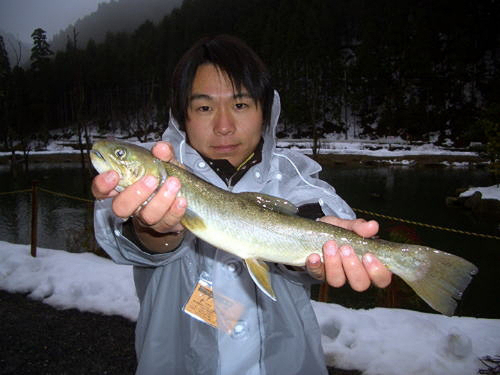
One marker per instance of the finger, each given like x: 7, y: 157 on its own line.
x: 365, y: 228
x: 127, y: 202
x: 164, y: 212
x: 343, y: 223
x: 103, y: 185
x: 361, y: 227
x: 378, y: 273
x: 157, y: 207
x: 163, y: 151
x: 334, y: 270
x: 315, y: 267
x: 354, y: 269
x: 171, y: 221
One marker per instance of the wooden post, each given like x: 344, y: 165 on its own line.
x: 34, y: 216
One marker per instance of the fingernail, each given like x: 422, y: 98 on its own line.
x: 150, y: 181
x: 346, y: 251
x: 314, y: 260
x: 109, y: 176
x: 368, y: 258
x: 172, y: 184
x: 331, y: 250
x: 181, y: 203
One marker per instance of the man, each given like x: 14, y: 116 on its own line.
x: 224, y: 114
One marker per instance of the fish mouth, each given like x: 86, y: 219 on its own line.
x: 99, y: 161
x: 96, y: 154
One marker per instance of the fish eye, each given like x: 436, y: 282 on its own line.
x: 120, y: 153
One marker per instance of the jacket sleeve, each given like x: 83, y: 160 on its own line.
x: 108, y: 230
x: 303, y: 186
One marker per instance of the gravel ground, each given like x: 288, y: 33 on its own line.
x: 36, y: 338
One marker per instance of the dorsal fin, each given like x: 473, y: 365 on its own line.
x: 271, y: 203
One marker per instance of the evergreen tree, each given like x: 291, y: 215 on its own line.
x: 41, y: 49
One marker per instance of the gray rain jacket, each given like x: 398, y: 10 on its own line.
x: 270, y: 337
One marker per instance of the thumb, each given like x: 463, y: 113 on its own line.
x: 163, y: 151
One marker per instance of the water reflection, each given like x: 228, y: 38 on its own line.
x: 63, y: 223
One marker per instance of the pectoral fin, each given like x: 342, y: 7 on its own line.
x: 259, y: 271
x: 193, y: 222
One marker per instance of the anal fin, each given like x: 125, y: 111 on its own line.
x: 259, y: 271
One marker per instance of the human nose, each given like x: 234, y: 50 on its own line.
x: 224, y: 123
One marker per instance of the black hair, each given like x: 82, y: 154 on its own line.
x: 231, y: 56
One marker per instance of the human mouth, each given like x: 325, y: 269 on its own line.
x: 225, y: 149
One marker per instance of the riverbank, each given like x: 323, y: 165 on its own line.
x: 443, y: 160
x: 325, y: 159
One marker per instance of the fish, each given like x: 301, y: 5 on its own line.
x: 263, y: 229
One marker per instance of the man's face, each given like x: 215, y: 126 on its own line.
x: 221, y: 123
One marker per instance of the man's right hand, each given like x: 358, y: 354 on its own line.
x: 162, y: 213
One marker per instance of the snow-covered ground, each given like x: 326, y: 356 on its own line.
x: 386, y: 147
x: 377, y: 341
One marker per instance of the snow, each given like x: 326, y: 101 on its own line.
x: 488, y: 192
x: 389, y: 147
x: 375, y: 341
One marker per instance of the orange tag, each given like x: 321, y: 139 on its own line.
x: 201, y: 306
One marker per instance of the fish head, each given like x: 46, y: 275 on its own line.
x: 130, y: 161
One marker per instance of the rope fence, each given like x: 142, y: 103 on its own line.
x: 63, y: 195
x: 431, y: 226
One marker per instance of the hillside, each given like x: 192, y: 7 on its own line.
x: 19, y: 52
x: 115, y: 16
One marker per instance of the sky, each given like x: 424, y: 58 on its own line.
x: 375, y: 341
x: 21, y: 17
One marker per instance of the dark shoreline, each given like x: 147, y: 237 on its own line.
x: 324, y: 159
x: 40, y: 339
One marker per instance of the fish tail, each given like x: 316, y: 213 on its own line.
x: 439, y: 278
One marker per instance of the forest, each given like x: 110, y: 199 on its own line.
x: 379, y: 68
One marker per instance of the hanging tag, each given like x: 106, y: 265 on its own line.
x: 201, y: 306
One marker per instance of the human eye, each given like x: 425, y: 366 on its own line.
x: 203, y: 108
x: 241, y: 106
x: 200, y: 108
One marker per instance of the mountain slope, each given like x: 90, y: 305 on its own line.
x: 115, y: 16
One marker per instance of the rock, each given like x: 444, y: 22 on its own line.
x: 488, y: 207
x: 473, y: 201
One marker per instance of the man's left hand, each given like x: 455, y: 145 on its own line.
x: 341, y: 264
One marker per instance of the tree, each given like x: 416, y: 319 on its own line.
x: 4, y: 92
x: 41, y: 49
x: 4, y: 69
